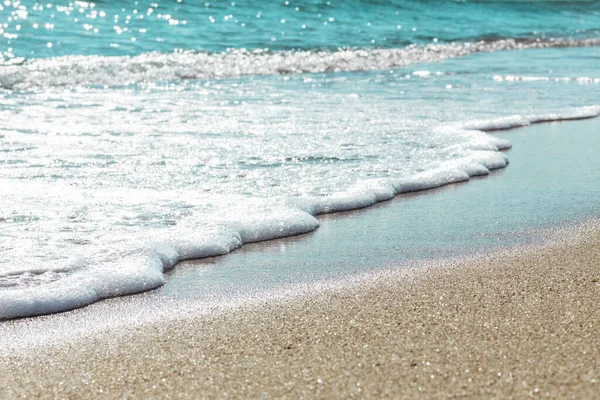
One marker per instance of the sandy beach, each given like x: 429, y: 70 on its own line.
x: 520, y: 323
x: 299, y: 200
x: 511, y: 320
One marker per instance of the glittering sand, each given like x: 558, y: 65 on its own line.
x: 510, y: 324
x: 513, y: 324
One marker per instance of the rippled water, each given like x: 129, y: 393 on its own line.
x: 134, y: 136
x: 38, y: 29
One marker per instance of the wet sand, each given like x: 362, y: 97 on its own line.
x: 518, y: 323
x: 504, y: 323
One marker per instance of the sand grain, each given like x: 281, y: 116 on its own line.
x: 524, y: 324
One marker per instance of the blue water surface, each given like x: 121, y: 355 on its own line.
x: 32, y: 29
x: 134, y: 134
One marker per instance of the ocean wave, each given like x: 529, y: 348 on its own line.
x: 74, y: 71
x: 136, y: 264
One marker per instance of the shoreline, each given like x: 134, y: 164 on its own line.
x: 21, y: 304
x: 549, y: 184
x: 518, y: 322
x: 519, y: 298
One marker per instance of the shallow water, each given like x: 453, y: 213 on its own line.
x: 552, y: 182
x: 31, y: 29
x: 517, y: 205
x: 119, y: 158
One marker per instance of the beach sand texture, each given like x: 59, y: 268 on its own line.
x: 524, y: 322
x: 142, y: 143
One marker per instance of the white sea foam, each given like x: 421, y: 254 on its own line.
x: 517, y: 121
x: 106, y: 166
x: 73, y: 71
x: 134, y: 264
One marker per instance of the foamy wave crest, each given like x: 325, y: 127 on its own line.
x: 131, y: 265
x: 517, y: 121
x: 72, y: 71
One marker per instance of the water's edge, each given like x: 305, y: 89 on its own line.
x: 303, y: 219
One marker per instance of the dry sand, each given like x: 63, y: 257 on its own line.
x: 521, y: 323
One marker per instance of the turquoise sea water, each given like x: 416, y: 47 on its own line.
x: 137, y: 134
x: 48, y: 29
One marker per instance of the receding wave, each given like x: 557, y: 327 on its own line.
x: 141, y: 263
x: 73, y: 71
